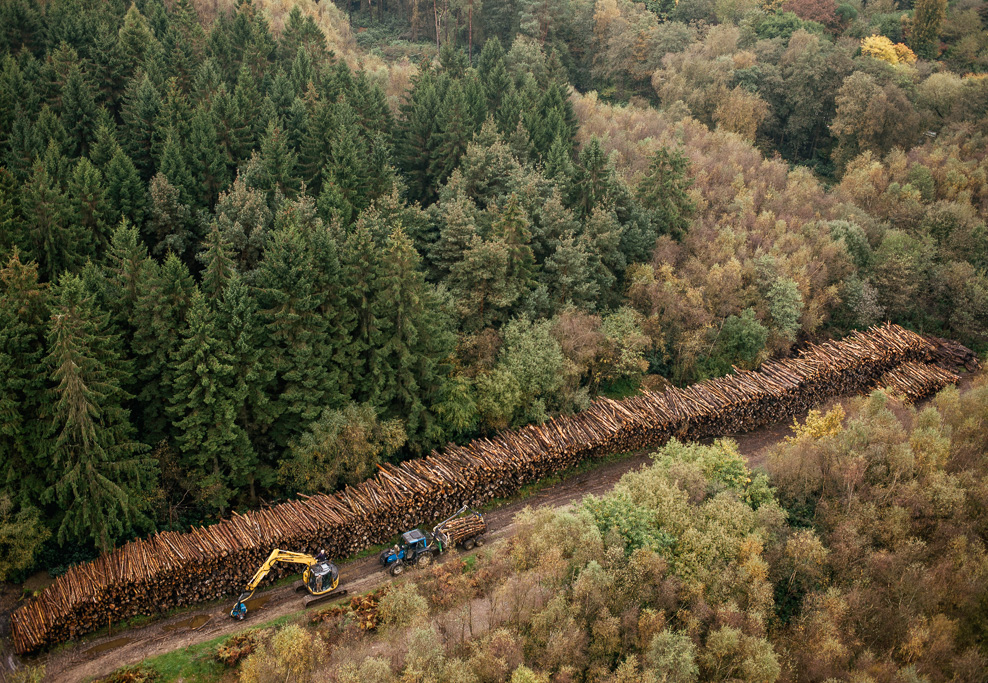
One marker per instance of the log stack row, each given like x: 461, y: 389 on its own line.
x: 913, y: 381
x: 172, y: 569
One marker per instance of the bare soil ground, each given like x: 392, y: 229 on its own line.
x: 99, y: 656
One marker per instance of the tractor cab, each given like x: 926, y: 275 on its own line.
x: 415, y: 542
x: 321, y: 577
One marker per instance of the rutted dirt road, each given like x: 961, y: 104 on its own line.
x: 100, y: 656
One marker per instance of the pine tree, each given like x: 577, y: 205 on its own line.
x: 232, y: 129
x: 125, y: 194
x: 87, y: 204
x: 458, y: 227
x: 23, y: 314
x: 98, y: 477
x: 78, y: 111
x: 361, y: 261
x: 511, y: 225
x: 417, y: 139
x: 47, y: 232
x: 172, y: 166
x: 569, y: 275
x: 480, y: 285
x: 241, y: 330
x: 204, y: 407
x: 593, y: 182
x: 455, y: 132
x: 294, y: 336
x: 170, y: 227
x: 105, y: 143
x: 344, y: 176
x: 417, y: 340
x: 163, y: 297
x: 217, y: 263
x: 126, y: 264
x: 207, y: 163
x: 135, y: 39
x: 664, y: 192
x: 278, y: 162
x: 140, y: 109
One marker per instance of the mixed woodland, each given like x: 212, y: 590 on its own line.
x: 863, y: 560
x: 252, y: 249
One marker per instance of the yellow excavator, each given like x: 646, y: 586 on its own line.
x: 320, y: 578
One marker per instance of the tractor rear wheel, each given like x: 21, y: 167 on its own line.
x: 424, y: 560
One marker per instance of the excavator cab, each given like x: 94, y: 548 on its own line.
x: 321, y: 578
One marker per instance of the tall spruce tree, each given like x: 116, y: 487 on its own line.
x: 416, y: 342
x: 241, y: 329
x: 296, y: 353
x: 163, y: 297
x: 98, y: 476
x: 23, y: 390
x: 204, y: 406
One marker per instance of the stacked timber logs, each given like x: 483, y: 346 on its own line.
x: 173, y: 569
x: 462, y: 528
x: 950, y: 354
x: 913, y: 381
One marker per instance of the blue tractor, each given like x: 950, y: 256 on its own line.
x: 464, y: 528
x: 414, y: 548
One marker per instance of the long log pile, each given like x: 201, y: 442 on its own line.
x: 172, y: 569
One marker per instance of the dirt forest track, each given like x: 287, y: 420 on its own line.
x: 97, y: 657
x: 100, y: 656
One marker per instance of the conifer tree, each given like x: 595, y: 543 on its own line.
x: 241, y: 330
x: 23, y: 317
x: 105, y: 143
x: 511, y: 225
x: 664, y: 192
x: 78, y: 110
x: 418, y: 138
x: 480, y: 285
x: 135, y: 39
x: 455, y: 132
x: 87, y: 203
x: 278, y: 162
x: 204, y: 407
x: 294, y: 334
x: 47, y: 231
x: 217, y: 263
x: 172, y: 166
x: 170, y: 227
x: 362, y: 273
x: 140, y: 109
x: 207, y: 163
x: 125, y: 193
x: 163, y: 297
x: 569, y: 275
x: 98, y: 475
x: 416, y: 341
x: 126, y: 264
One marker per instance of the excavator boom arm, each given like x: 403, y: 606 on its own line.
x: 275, y: 557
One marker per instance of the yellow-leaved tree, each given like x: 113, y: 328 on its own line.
x: 884, y: 49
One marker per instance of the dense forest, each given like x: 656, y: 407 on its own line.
x: 866, y: 563
x: 251, y: 250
